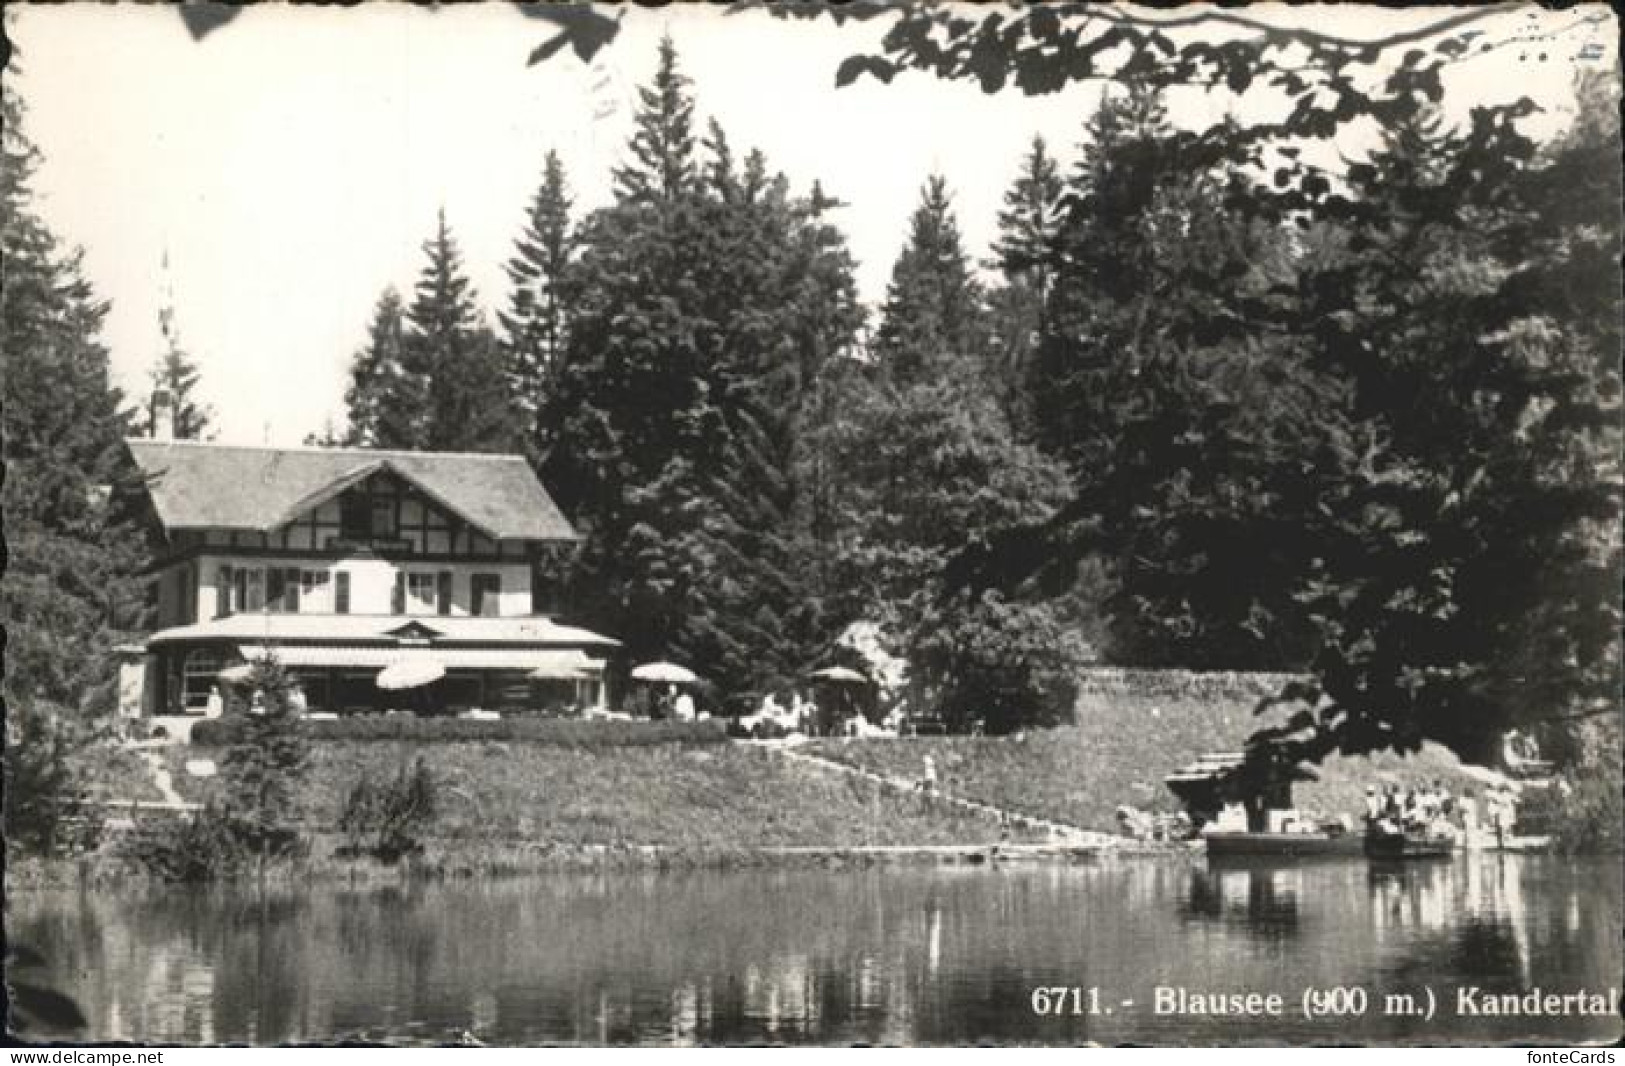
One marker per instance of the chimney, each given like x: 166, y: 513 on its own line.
x: 163, y: 415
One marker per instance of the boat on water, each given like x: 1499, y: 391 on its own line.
x: 1247, y: 845
x: 1389, y: 844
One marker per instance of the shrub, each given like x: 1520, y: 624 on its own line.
x: 384, y: 820
x: 262, y: 767
x: 197, y: 848
x: 1587, y: 807
x: 46, y: 812
x: 1004, y: 664
x: 567, y: 732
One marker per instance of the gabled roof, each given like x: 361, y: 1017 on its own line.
x: 221, y: 486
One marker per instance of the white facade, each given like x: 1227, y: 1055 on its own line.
x: 190, y: 591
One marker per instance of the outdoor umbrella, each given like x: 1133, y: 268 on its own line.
x: 839, y: 673
x: 234, y: 674
x: 410, y: 675
x: 669, y: 672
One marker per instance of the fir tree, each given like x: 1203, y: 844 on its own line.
x: 1030, y: 221
x: 536, y: 322
x: 663, y: 142
x: 1025, y: 253
x: 706, y: 306
x: 72, y: 544
x: 386, y: 402
x: 932, y: 321
x: 455, y: 357
x: 177, y: 377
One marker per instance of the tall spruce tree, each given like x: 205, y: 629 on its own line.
x: 1024, y: 252
x: 932, y: 322
x: 177, y: 377
x: 927, y: 462
x: 663, y: 145
x: 708, y: 299
x: 73, y: 548
x: 385, y: 401
x: 536, y: 321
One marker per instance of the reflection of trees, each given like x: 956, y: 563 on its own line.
x: 1262, y: 901
x: 895, y: 956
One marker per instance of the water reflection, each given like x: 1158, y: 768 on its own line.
x: 877, y: 956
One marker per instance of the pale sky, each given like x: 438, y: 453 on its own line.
x: 293, y: 162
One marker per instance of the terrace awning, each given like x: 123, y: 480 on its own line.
x: 551, y: 662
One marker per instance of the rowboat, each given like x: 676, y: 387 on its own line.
x: 1280, y: 845
x: 1384, y: 844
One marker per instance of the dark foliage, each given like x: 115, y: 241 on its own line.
x: 707, y: 299
x: 46, y: 812
x: 385, y: 818
x: 72, y: 539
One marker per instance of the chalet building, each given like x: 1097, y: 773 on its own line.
x: 344, y: 562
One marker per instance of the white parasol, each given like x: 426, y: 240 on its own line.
x: 410, y: 674
x: 839, y: 673
x: 668, y: 672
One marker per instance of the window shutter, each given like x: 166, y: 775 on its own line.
x: 443, y: 592
x: 222, y: 592
x: 341, y: 592
x: 397, y: 603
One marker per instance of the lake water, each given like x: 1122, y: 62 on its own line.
x: 879, y: 955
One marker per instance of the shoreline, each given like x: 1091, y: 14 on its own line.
x: 442, y: 860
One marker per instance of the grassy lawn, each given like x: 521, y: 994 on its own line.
x: 712, y: 797
x: 1122, y: 748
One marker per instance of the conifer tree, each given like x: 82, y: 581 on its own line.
x: 385, y: 401
x: 1029, y: 223
x: 177, y: 376
x: 1025, y: 253
x: 707, y: 299
x: 536, y: 321
x: 932, y: 322
x: 663, y: 141
x: 456, y: 357
x: 72, y: 544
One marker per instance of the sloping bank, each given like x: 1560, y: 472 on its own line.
x: 1133, y: 728
x: 514, y: 804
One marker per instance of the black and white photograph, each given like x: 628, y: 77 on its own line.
x: 898, y: 523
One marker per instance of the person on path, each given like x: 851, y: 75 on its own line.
x: 929, y: 780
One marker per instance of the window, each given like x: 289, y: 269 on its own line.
x: 355, y: 517
x: 383, y: 516
x: 250, y: 589
x: 487, y: 594
x: 199, y: 675
x: 313, y: 590
x: 420, y: 593
x: 341, y: 592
